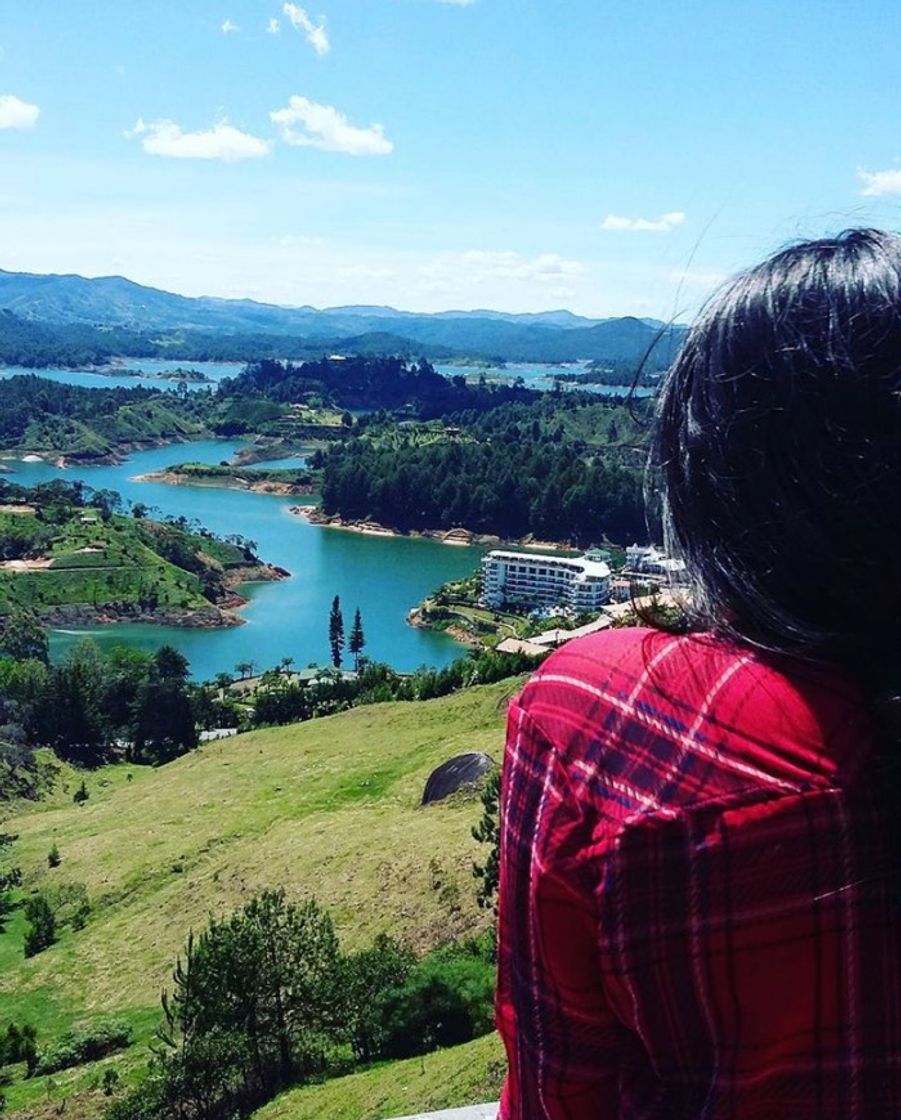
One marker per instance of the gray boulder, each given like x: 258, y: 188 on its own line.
x: 456, y: 773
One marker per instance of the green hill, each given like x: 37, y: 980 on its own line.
x: 329, y: 808
x: 54, y: 420
x: 73, y: 562
x: 463, y: 1075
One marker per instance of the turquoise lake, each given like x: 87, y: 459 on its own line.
x: 384, y: 576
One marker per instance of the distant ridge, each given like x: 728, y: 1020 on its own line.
x: 548, y: 336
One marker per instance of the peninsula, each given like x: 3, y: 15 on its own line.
x: 75, y: 557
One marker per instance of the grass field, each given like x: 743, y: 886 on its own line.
x: 463, y: 1075
x: 328, y: 809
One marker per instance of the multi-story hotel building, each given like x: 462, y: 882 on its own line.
x: 527, y: 579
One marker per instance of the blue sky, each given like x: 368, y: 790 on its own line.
x: 610, y: 157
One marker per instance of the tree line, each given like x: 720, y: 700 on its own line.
x: 267, y: 999
x: 91, y: 707
x: 359, y: 381
x: 509, y: 487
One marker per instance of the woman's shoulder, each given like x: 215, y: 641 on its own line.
x: 700, y: 693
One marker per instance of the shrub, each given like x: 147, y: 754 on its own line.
x: 53, y: 857
x: 19, y: 1045
x: 41, y: 932
x: 447, y: 999
x: 80, y: 1046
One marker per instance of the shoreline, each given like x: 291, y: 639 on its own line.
x: 210, y: 616
x: 115, y: 458
x: 457, y: 537
x: 230, y: 482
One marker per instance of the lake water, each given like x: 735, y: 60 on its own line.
x: 215, y: 371
x: 384, y: 576
x: 537, y: 376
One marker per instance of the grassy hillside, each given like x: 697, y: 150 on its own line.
x: 74, y: 556
x: 463, y: 1075
x: 47, y: 418
x: 328, y: 808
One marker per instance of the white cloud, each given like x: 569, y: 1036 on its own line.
x: 458, y: 3
x: 223, y: 141
x: 322, y: 126
x: 877, y: 183
x: 663, y: 224
x: 229, y: 27
x: 316, y: 34
x: 480, y: 267
x: 16, y: 113
x: 273, y: 26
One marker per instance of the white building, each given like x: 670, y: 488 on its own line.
x: 652, y: 561
x: 527, y: 579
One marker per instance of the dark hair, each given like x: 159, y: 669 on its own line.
x: 778, y: 455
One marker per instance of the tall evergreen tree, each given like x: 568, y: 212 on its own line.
x: 336, y: 631
x: 41, y: 932
x: 357, y: 638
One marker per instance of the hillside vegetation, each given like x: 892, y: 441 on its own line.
x: 329, y: 809
x: 47, y: 418
x: 59, y: 554
x: 452, y: 1078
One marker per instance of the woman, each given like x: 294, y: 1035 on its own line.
x: 700, y: 862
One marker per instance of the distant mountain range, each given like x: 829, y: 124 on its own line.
x: 113, y: 302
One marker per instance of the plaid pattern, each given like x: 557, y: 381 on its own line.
x: 695, y: 917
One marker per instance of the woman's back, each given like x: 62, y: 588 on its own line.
x: 697, y: 917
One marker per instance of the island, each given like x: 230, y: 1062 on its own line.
x: 76, y: 558
x: 287, y: 482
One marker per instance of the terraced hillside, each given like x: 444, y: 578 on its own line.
x: 329, y: 809
x: 76, y: 563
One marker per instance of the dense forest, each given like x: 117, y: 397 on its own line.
x: 511, y: 489
x: 372, y: 383
x: 24, y: 342
x: 428, y: 451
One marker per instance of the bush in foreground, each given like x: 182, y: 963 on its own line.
x: 87, y: 1045
x: 266, y: 999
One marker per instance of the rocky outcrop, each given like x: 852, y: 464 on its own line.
x: 457, y: 773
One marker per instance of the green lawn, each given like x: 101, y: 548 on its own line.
x: 464, y: 1075
x: 328, y: 809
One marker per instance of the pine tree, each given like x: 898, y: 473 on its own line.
x: 357, y: 638
x: 487, y: 831
x: 336, y: 631
x: 41, y: 932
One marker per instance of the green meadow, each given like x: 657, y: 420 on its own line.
x: 328, y: 809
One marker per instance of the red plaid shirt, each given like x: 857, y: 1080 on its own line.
x: 695, y: 913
